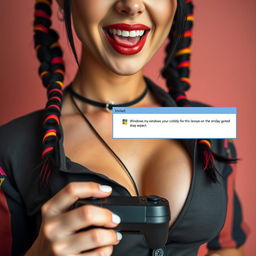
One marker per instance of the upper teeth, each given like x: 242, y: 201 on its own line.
x: 126, y: 33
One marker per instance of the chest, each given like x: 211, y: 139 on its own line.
x: 144, y: 158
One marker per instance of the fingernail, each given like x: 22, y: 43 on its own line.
x: 119, y: 236
x: 105, y: 188
x: 116, y: 219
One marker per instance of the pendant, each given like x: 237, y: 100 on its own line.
x: 109, y: 106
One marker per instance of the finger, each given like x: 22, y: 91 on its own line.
x: 106, y: 250
x: 85, y: 216
x: 85, y: 241
x: 82, y: 217
x: 71, y: 193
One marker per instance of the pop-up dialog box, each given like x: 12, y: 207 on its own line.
x: 174, y: 122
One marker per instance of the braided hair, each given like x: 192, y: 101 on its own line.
x: 52, y: 71
x: 176, y: 73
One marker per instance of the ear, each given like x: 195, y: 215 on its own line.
x: 60, y: 3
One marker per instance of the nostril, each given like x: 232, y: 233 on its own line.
x: 130, y: 7
x: 130, y: 11
x: 126, y: 12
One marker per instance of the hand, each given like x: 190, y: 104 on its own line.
x: 57, y: 235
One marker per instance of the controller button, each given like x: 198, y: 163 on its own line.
x: 154, y: 199
x: 158, y: 252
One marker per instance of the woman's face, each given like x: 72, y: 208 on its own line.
x: 119, y: 53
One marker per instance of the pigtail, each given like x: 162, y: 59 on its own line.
x: 177, y: 73
x: 52, y: 72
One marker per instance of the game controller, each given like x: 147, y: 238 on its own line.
x: 147, y: 215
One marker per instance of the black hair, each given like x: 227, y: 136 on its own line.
x: 175, y: 71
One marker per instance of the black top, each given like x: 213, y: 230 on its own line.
x: 211, y: 214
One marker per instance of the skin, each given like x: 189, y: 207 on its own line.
x: 227, y: 252
x: 120, y: 80
x: 121, y: 76
x: 56, y: 235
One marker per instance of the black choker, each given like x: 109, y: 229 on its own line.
x: 109, y: 105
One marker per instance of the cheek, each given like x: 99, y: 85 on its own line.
x: 164, y: 12
x: 89, y: 12
x: 162, y: 15
x: 87, y: 17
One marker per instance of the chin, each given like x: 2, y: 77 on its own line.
x: 126, y: 70
x: 126, y: 73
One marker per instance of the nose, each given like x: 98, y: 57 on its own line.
x: 130, y: 7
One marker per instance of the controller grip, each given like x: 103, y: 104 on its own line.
x: 160, y: 236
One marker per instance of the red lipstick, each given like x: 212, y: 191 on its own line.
x: 126, y: 45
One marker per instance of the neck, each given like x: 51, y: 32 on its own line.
x: 94, y: 81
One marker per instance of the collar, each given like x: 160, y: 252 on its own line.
x: 161, y: 95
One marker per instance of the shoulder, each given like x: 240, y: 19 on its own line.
x: 20, y: 137
x: 20, y: 128
x: 23, y: 121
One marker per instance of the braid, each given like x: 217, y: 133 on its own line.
x: 177, y: 71
x: 52, y: 72
x: 177, y: 74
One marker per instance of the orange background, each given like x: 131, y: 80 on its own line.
x: 223, y: 66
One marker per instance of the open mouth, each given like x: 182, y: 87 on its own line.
x: 129, y: 38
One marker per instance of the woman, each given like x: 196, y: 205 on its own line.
x: 191, y: 174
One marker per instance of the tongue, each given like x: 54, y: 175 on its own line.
x: 127, y: 40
